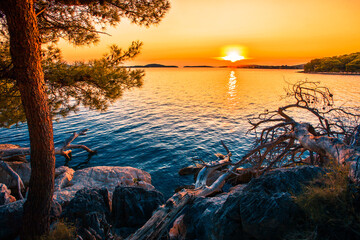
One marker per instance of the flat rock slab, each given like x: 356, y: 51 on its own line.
x: 98, y: 177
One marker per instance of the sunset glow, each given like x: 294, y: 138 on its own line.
x: 273, y: 32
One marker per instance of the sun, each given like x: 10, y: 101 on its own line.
x: 233, y: 56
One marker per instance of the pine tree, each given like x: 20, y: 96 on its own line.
x: 25, y: 26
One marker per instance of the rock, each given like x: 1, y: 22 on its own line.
x: 133, y: 206
x: 98, y: 224
x: 63, y: 176
x: 199, y: 217
x: 98, y: 177
x: 266, y: 207
x: 21, y: 168
x: 90, y: 210
x: 178, y: 230
x: 88, y: 200
x: 5, y: 195
x: 55, y: 211
x: 227, y: 219
x: 11, y: 218
x: 215, y: 217
x: 261, y: 209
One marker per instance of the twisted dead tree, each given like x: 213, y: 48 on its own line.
x: 9, y: 151
x: 282, y: 139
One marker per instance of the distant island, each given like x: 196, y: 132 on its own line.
x: 156, y: 65
x: 153, y: 65
x: 199, y: 66
x: 300, y: 66
x: 343, y: 64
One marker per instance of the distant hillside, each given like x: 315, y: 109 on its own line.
x: 153, y: 65
x: 343, y: 63
x: 199, y: 66
x: 300, y: 66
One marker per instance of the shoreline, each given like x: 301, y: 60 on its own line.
x: 332, y: 73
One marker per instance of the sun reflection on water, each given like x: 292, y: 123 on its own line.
x: 232, y: 84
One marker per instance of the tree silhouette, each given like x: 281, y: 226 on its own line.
x: 25, y: 25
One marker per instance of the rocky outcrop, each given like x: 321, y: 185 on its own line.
x: 132, y: 207
x: 90, y: 208
x: 199, y: 218
x: 11, y: 218
x: 68, y: 182
x: 90, y: 211
x: 216, y: 217
x: 262, y: 209
x: 266, y: 207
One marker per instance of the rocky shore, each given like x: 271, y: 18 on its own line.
x: 103, y: 202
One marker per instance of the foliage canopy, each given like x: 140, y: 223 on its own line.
x: 94, y: 84
x: 343, y: 63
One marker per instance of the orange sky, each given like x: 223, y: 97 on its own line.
x: 270, y: 31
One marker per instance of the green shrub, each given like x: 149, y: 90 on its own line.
x: 329, y: 206
x: 62, y: 231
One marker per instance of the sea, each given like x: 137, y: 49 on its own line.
x: 181, y: 114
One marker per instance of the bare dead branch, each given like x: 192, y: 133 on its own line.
x: 63, y: 150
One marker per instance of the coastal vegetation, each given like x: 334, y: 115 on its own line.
x: 342, y: 63
x: 254, y: 66
x: 330, y: 207
x: 61, y: 231
x: 94, y: 84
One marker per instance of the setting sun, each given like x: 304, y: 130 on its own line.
x: 233, y: 56
x: 233, y: 53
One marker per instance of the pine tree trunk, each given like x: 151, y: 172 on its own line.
x: 26, y: 56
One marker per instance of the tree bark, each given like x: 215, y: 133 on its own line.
x: 25, y: 52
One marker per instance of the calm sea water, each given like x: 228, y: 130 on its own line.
x: 181, y: 114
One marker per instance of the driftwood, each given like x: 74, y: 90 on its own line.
x: 64, y: 150
x: 164, y: 216
x: 280, y: 142
x: 332, y: 148
x: 9, y: 152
